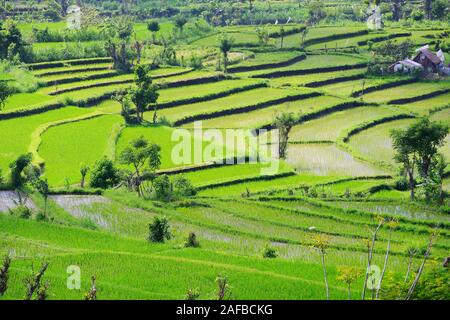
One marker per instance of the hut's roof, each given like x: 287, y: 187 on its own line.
x: 430, y: 55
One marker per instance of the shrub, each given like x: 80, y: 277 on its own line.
x: 162, y: 188
x: 17, y: 168
x: 401, y: 184
x: 159, y: 230
x: 20, y: 211
x: 183, y: 187
x: 269, y: 252
x: 192, y: 294
x: 104, y: 175
x: 192, y: 241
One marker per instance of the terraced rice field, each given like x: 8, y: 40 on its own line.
x: 331, y: 127
x: 77, y: 143
x: 332, y: 183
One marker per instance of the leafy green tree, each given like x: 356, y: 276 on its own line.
x: 163, y: 188
x: 440, y: 9
x: 284, y: 123
x: 5, y: 93
x: 144, y: 93
x: 104, y: 175
x: 225, y: 45
x: 41, y: 186
x: 392, y: 51
x: 11, y: 40
x: 153, y: 26
x: 84, y: 169
x: 406, y: 156
x: 141, y: 155
x: 348, y: 275
x: 183, y: 187
x: 159, y: 230
x: 418, y: 145
x: 316, y: 13
x: 263, y: 35
x: 180, y: 22
x: 17, y: 168
x: 118, y: 32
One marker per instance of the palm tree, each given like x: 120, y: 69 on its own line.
x: 225, y: 45
x: 153, y: 27
x: 321, y: 243
x: 284, y: 123
x: 304, y: 33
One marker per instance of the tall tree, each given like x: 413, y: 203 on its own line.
x: 427, y: 6
x: 406, y: 156
x: 141, y: 155
x: 426, y: 138
x: 225, y: 45
x: 284, y: 123
x: 145, y: 93
x: 153, y: 26
x: 180, y: 22
x: 5, y: 93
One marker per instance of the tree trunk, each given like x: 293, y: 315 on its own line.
x: 422, y: 266
x: 325, y: 275
x: 411, y: 184
x: 369, y: 259
x: 385, y: 265
x: 409, y: 268
x: 225, y: 62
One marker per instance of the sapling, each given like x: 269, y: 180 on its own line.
x: 348, y: 276
x: 224, y: 290
x: 92, y: 293
x: 370, y: 246
x: 422, y: 266
x: 33, y: 282
x: 392, y: 225
x: 321, y: 243
x: 4, y: 274
x: 412, y: 252
x: 192, y: 294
